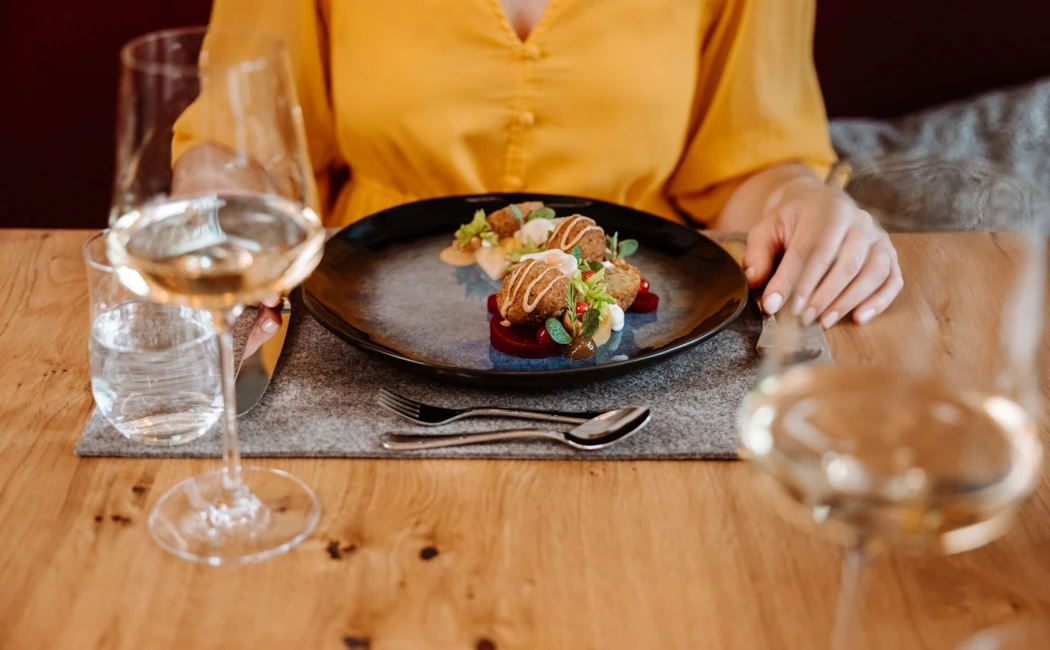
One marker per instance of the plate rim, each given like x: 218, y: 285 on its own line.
x: 360, y: 339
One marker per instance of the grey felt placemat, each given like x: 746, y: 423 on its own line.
x: 322, y: 403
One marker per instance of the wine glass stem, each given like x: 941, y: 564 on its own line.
x: 851, y: 590
x: 233, y: 486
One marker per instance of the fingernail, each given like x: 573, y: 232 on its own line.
x: 809, y: 316
x: 798, y: 306
x: 772, y: 303
x: 865, y: 316
x: 269, y: 326
x: 829, y: 319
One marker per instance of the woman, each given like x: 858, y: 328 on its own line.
x: 706, y: 111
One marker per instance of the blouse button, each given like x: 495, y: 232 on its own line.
x: 530, y: 52
x: 513, y: 182
x: 526, y: 118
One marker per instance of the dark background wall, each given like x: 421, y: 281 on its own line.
x: 58, y: 74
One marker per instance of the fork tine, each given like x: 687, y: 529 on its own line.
x: 394, y: 404
x: 400, y: 411
x: 392, y: 396
x: 398, y: 398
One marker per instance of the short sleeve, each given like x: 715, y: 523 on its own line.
x: 758, y: 102
x: 302, y: 25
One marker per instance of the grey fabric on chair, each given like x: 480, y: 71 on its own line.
x: 978, y: 164
x: 931, y: 193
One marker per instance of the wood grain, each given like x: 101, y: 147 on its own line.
x: 457, y: 554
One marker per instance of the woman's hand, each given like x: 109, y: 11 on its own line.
x: 267, y: 322
x: 269, y: 318
x: 834, y: 259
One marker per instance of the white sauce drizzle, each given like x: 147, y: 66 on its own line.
x: 564, y: 228
x: 557, y: 258
x: 516, y: 282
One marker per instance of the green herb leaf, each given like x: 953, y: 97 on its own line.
x: 478, y: 227
x: 541, y: 213
x: 515, y: 255
x: 570, y: 300
x: 592, y: 318
x: 577, y: 252
x: 627, y: 248
x: 596, y: 266
x: 611, y: 246
x: 557, y: 331
x: 517, y: 212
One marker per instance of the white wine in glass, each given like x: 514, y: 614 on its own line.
x: 895, y: 461
x: 217, y: 108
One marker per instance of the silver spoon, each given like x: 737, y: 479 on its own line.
x: 599, y: 432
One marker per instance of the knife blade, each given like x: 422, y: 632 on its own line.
x: 261, y: 352
x: 808, y: 343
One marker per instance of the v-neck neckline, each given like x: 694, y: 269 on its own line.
x: 507, y: 27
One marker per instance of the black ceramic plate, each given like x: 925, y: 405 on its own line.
x: 382, y: 287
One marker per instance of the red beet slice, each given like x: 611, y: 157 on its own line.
x: 644, y: 303
x: 493, y: 307
x: 519, y: 341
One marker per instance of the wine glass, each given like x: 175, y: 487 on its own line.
x: 211, y: 211
x: 929, y: 441
x: 1024, y: 635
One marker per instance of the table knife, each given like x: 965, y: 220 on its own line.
x: 261, y: 352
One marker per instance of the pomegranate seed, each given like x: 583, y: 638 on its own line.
x: 581, y: 307
x: 543, y: 337
x: 587, y: 274
x: 643, y: 286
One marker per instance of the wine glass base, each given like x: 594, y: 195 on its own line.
x: 276, y: 512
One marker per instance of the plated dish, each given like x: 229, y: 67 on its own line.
x: 382, y: 286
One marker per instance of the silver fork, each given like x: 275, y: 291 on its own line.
x: 432, y: 416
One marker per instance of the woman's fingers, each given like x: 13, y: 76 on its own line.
x: 851, y: 260
x: 820, y: 248
x: 761, y: 252
x: 266, y: 323
x: 269, y: 319
x: 881, y: 299
x: 783, y: 281
x: 880, y: 277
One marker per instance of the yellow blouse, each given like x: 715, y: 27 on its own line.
x: 664, y: 105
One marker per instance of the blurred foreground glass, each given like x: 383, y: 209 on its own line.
x: 210, y: 211
x: 154, y: 368
x: 1024, y: 635
x: 929, y: 441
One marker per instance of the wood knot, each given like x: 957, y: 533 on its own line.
x: 484, y: 644
x: 333, y: 551
x: 336, y: 552
x: 121, y: 519
x: 357, y: 642
x: 428, y: 553
x: 138, y: 489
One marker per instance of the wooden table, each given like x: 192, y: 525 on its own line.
x: 528, y: 554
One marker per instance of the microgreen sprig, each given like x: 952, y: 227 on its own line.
x: 616, y: 249
x: 478, y: 227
